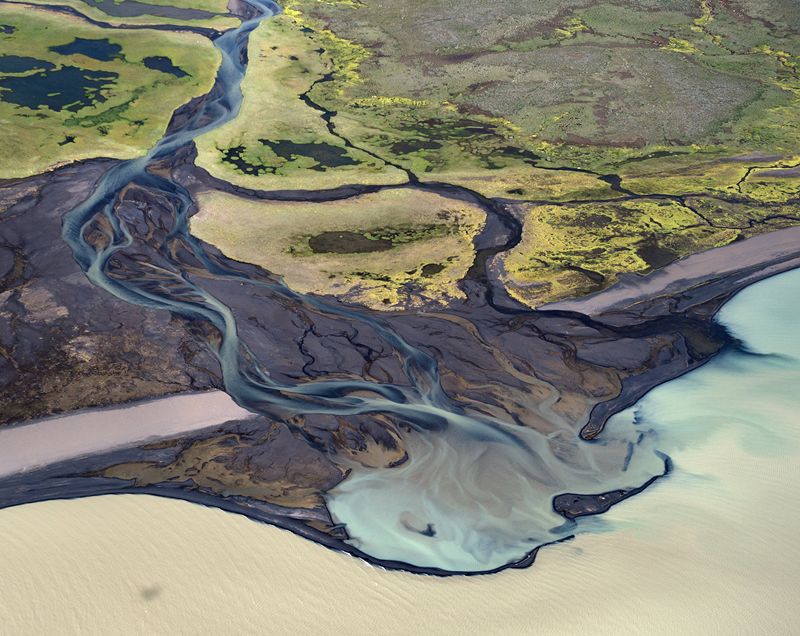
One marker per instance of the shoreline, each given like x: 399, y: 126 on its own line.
x: 704, y: 294
x: 678, y: 537
x: 271, y: 518
x: 696, y: 278
x: 686, y: 285
x: 673, y: 308
x: 71, y: 488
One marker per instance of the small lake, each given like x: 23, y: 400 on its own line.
x: 66, y: 88
x: 21, y: 64
x: 132, y: 8
x: 101, y: 49
x: 163, y: 64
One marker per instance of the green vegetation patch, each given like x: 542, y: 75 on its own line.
x: 394, y: 249
x: 571, y: 250
x: 69, y: 90
x: 477, y: 94
x: 772, y: 184
x: 280, y: 140
x: 759, y: 177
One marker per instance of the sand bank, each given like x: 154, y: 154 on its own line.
x: 54, y: 439
x: 753, y: 259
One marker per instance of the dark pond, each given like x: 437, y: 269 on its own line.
x: 414, y: 145
x: 346, y: 243
x: 101, y: 49
x: 326, y: 155
x: 165, y: 65
x: 655, y: 255
x: 19, y: 64
x: 132, y: 8
x: 596, y: 277
x: 431, y: 269
x: 68, y: 88
x: 235, y: 157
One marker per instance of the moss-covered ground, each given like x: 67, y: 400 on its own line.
x: 675, y: 121
x: 578, y: 108
x: 453, y: 90
x: 569, y: 250
x: 70, y: 90
x: 279, y: 141
x: 393, y: 249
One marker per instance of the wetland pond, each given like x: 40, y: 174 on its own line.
x: 67, y: 88
x: 132, y: 8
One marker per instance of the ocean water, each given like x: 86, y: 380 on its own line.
x: 711, y: 549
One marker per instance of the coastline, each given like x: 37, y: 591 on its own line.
x: 700, y: 284
x: 671, y: 309
x: 698, y: 278
x: 61, y: 486
x: 712, y: 550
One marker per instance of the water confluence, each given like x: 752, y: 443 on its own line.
x: 476, y: 493
x: 711, y: 549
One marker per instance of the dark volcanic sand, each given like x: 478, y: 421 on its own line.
x: 67, y: 344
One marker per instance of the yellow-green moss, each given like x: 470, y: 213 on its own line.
x: 138, y: 104
x: 772, y: 185
x: 284, y: 64
x: 432, y: 231
x: 572, y: 250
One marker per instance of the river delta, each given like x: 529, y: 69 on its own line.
x: 429, y: 299
x: 659, y: 563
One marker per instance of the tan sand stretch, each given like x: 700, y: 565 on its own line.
x: 769, y: 253
x: 41, y: 442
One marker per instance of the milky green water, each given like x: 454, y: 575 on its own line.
x: 712, y: 549
x: 467, y: 503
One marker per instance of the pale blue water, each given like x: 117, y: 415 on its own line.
x: 489, y: 503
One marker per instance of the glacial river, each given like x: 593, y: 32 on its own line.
x: 476, y: 492
x: 710, y: 549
